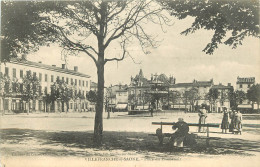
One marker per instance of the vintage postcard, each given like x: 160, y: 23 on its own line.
x: 129, y: 83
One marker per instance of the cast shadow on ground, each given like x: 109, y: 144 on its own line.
x: 75, y: 142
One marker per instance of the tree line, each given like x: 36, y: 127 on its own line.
x: 191, y: 97
x: 30, y: 89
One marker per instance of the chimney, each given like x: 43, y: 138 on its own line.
x: 229, y: 84
x: 63, y: 66
x: 76, y: 68
x: 53, y: 65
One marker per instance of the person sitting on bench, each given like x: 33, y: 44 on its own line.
x: 178, y: 136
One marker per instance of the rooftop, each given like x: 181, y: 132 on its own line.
x: 48, y: 67
x: 195, y: 83
x: 220, y: 86
x: 246, y: 80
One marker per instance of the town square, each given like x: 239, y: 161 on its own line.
x: 130, y: 83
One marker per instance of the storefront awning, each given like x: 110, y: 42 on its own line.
x: 121, y: 106
x: 244, y: 106
x: 145, y: 107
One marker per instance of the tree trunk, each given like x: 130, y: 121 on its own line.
x: 3, y: 113
x: 67, y: 109
x: 98, y: 129
x: 108, y: 113
x: 62, y: 106
x: 28, y: 109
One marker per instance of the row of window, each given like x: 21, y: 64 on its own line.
x: 23, y: 106
x: 21, y: 87
x: 72, y: 81
x: 241, y: 86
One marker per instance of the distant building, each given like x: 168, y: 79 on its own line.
x: 117, y: 97
x: 180, y: 88
x: 16, y: 69
x: 121, y: 99
x: 223, y: 100
x: 243, y: 84
x: 140, y: 86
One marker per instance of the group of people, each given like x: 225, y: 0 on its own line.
x: 182, y: 128
x: 235, y: 125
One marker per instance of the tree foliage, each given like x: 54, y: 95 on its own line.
x: 212, y: 95
x: 22, y: 30
x: 253, y: 94
x: 192, y: 96
x: 237, y: 97
x: 231, y: 20
x: 92, y: 96
x: 62, y: 91
x: 31, y: 87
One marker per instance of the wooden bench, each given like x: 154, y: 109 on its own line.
x: 208, y: 125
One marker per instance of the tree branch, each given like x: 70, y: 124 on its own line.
x: 76, y: 46
x: 118, y: 59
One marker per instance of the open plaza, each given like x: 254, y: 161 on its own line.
x: 66, y: 139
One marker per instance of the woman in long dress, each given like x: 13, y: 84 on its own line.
x: 225, y: 123
x: 231, y: 125
x: 202, y: 120
x: 238, y: 123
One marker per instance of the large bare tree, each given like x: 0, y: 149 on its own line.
x: 90, y: 27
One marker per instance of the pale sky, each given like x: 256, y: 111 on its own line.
x: 177, y: 55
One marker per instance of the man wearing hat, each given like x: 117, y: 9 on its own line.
x: 179, y: 135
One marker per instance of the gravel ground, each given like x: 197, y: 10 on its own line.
x: 60, y: 139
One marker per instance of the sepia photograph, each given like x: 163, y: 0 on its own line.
x: 135, y: 83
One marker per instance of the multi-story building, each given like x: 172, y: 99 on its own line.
x: 121, y: 99
x: 223, y: 100
x: 203, y: 88
x: 117, y: 97
x: 244, y: 84
x: 16, y: 69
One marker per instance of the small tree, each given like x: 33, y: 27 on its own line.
x: 212, y: 96
x: 175, y: 97
x: 237, y: 98
x: 146, y: 98
x: 5, y: 87
x: 92, y: 97
x: 223, y: 96
x: 132, y: 101
x: 48, y: 99
x: 81, y: 97
x: 62, y: 91
x: 107, y: 98
x: 192, y: 95
x: 253, y: 94
x: 31, y: 87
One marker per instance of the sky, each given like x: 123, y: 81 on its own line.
x: 178, y: 55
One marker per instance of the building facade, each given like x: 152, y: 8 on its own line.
x: 244, y: 84
x: 47, y: 75
x: 116, y: 97
x: 223, y: 100
x: 180, y: 100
